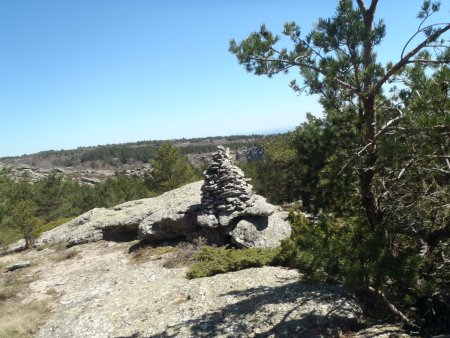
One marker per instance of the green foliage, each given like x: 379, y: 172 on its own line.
x: 120, y: 189
x: 119, y: 153
x: 24, y: 219
x: 43, y: 227
x: 170, y: 170
x: 276, y: 177
x: 27, y: 209
x: 215, y: 260
x: 8, y: 235
x: 50, y: 195
x: 346, y: 250
x: 376, y: 163
x: 304, y: 165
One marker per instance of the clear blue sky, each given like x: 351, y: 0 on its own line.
x: 88, y: 72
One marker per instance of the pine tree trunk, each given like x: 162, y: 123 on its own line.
x: 367, y: 173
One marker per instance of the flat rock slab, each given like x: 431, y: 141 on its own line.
x: 103, y: 294
x: 17, y: 266
x: 144, y: 217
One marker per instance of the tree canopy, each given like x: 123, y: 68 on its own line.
x: 378, y: 159
x: 170, y: 170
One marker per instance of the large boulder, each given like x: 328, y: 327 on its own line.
x: 169, y: 215
x: 174, y: 214
x: 261, y: 232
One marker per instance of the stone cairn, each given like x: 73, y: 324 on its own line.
x: 225, y: 188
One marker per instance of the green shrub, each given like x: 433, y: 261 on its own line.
x: 8, y: 235
x: 51, y: 225
x: 214, y: 260
x: 348, y: 251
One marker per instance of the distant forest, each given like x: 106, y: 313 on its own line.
x: 118, y: 154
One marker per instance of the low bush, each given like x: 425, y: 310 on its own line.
x: 346, y: 250
x: 215, y: 260
x: 8, y: 236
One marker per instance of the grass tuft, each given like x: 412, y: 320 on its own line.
x: 147, y: 253
x: 21, y: 320
x: 212, y: 261
x: 67, y: 254
x: 183, y: 256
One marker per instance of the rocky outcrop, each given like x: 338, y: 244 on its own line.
x: 102, y: 294
x: 223, y: 209
x: 169, y: 215
x: 225, y: 188
x: 229, y: 205
x: 245, y: 155
x: 174, y: 214
x: 18, y: 171
x: 261, y: 232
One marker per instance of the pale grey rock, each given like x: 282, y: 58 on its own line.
x: 177, y: 213
x: 226, y: 217
x: 229, y: 204
x: 17, y: 266
x: 166, y: 216
x: 15, y: 247
x: 168, y: 224
x: 260, y: 207
x: 82, y: 229
x: 207, y: 220
x: 261, y: 232
x: 245, y: 155
x: 225, y: 187
x: 103, y: 295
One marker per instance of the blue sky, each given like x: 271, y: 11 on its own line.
x: 88, y: 72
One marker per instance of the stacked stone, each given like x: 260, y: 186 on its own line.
x: 225, y: 188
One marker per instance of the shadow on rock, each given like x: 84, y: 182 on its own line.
x: 291, y: 310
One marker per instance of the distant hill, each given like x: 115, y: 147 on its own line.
x: 128, y: 154
x: 95, y: 164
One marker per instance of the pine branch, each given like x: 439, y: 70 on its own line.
x: 305, y: 65
x: 406, y: 59
x: 392, y: 307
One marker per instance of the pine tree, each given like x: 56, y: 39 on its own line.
x: 170, y: 170
x: 391, y: 144
x: 24, y: 219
